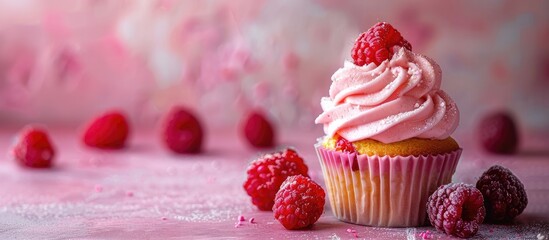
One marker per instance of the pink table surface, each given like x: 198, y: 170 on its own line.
x: 144, y: 192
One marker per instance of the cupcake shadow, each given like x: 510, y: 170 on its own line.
x: 324, y: 226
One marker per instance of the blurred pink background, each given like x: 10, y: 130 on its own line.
x: 61, y: 62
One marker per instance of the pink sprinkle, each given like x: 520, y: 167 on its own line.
x: 164, y: 218
x: 252, y: 220
x: 237, y: 224
x: 98, y: 188
x: 129, y: 193
x: 425, y: 235
x: 241, y: 218
x: 353, y: 232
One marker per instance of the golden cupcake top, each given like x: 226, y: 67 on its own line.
x: 413, y: 146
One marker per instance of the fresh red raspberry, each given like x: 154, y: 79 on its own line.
x: 34, y: 149
x: 504, y: 194
x: 343, y: 145
x: 182, y: 132
x: 376, y: 44
x: 456, y: 209
x: 258, y: 130
x: 498, y: 133
x: 107, y: 131
x: 266, y: 174
x: 299, y: 202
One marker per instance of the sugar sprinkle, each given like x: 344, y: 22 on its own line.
x: 352, y: 232
x: 426, y: 235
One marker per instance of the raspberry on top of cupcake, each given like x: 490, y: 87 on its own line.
x: 389, y: 96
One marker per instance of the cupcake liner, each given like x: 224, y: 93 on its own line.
x: 382, y: 190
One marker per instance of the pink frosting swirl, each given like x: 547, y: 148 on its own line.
x: 397, y: 100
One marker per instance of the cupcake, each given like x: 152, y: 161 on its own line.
x: 388, y: 124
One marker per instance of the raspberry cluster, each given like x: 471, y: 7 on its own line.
x: 458, y: 209
x: 266, y: 174
x: 182, y: 132
x: 279, y: 182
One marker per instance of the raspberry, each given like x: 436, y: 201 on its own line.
x: 182, y: 132
x: 108, y: 131
x: 258, y: 130
x: 33, y: 148
x: 299, y: 202
x: 456, y: 209
x: 266, y: 174
x: 376, y: 44
x: 344, y: 145
x: 498, y: 133
x: 504, y: 194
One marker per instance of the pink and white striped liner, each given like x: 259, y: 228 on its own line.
x: 383, y: 191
